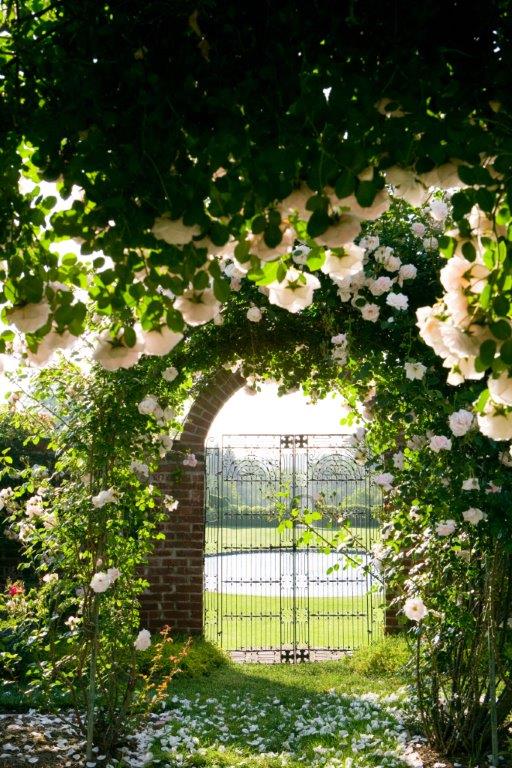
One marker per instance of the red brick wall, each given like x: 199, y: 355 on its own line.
x: 175, y: 571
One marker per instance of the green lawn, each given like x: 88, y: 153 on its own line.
x: 237, y: 538
x: 251, y: 621
x: 325, y: 715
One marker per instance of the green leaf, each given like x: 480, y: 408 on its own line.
x: 468, y: 251
x: 221, y: 289
x: 129, y: 336
x: 273, y: 235
x: 258, y: 225
x: 501, y: 306
x: 506, y: 352
x: 318, y: 223
x: 345, y: 184
x: 201, y: 280
x: 487, y: 352
x: 365, y: 193
x: 501, y: 329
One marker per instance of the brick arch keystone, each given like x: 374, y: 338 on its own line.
x: 175, y: 570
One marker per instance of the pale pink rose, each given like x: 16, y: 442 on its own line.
x: 160, y: 342
x: 406, y: 185
x: 143, y: 640
x: 345, y: 231
x: 398, y: 301
x: 446, y: 528
x: 370, y: 312
x: 197, y: 307
x: 453, y: 274
x: 461, y: 422
x: 190, y: 460
x: 471, y: 484
x: 415, y: 609
x: 473, y: 515
x: 398, y: 460
x: 501, y: 389
x: 431, y: 243
x: 384, y: 480
x: 457, y: 306
x: 415, y: 371
x: 440, y: 443
x: 347, y: 263
x: 418, y: 229
x: 254, y: 314
x: 295, y: 292
x: 438, y: 210
x: 381, y: 285
x: 495, y: 425
x: 407, y: 272
x: 30, y: 317
x: 100, y: 582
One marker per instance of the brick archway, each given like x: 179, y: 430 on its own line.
x: 175, y: 570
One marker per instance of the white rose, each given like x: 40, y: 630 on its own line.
x: 113, y: 574
x: 113, y: 355
x: 474, y: 515
x: 100, y: 582
x: 415, y: 609
x: 174, y: 231
x: 148, y: 405
x: 342, y: 265
x: 406, y: 185
x: 196, y: 307
x: 295, y: 292
x: 381, y: 285
x: 370, y: 312
x: 380, y: 205
x: 495, y: 425
x: 430, y: 329
x: 254, y: 314
x: 415, y: 371
x: 345, y: 231
x: 139, y: 468
x: 30, y: 317
x: 143, y: 640
x: 160, y: 342
x: 452, y: 274
x: 104, y: 497
x: 397, y: 301
x: 446, y: 528
x: 460, y: 422
x: 264, y: 252
x: 50, y: 578
x: 398, y: 460
x: 170, y: 374
x: 471, y: 484
x: 501, y: 389
x: 340, y: 339
x: 440, y: 443
x: 190, y: 460
x: 384, y: 480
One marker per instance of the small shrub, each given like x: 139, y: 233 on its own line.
x: 200, y: 659
x: 387, y: 656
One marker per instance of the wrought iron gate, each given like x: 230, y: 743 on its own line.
x: 268, y: 595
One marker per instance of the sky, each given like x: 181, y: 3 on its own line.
x: 267, y: 413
